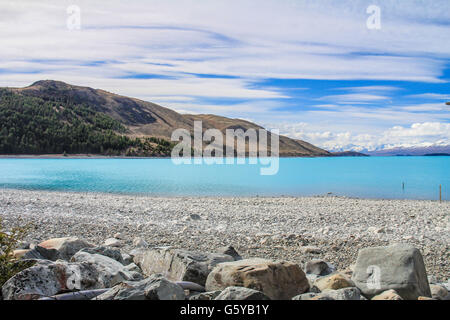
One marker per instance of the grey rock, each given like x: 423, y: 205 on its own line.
x: 399, y: 267
x: 23, y: 245
x: 133, y: 267
x: 178, y: 264
x: 50, y: 278
x: 139, y: 243
x: 113, y: 242
x: 112, y: 253
x: 66, y: 247
x: 41, y: 253
x: 127, y: 259
x: 229, y: 250
x: 351, y: 293
x: 319, y: 267
x: 210, y: 295
x: 111, y: 271
x: 241, y: 293
x: 155, y: 287
x: 305, y: 296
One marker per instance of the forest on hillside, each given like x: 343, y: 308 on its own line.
x: 32, y: 125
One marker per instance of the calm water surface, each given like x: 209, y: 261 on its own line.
x: 374, y: 177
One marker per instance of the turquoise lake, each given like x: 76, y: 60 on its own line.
x: 372, y: 177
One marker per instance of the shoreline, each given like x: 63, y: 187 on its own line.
x: 200, y: 196
x: 274, y: 227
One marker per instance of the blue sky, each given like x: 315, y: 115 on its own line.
x: 312, y: 69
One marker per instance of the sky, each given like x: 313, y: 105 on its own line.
x: 334, y: 73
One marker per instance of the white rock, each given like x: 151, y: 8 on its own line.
x: 113, y: 242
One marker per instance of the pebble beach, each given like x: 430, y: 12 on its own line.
x: 297, y: 229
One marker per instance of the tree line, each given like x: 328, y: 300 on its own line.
x: 32, y: 125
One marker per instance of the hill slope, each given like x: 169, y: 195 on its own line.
x: 132, y: 120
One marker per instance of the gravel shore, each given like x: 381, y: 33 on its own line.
x: 295, y: 229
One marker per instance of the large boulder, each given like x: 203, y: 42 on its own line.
x: 112, y: 271
x: 399, y: 267
x: 155, y: 287
x: 241, y: 293
x: 66, y: 247
x: 48, y: 279
x: 278, y: 280
x: 178, y: 264
x: 85, y: 272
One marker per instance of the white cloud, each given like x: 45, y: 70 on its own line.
x: 355, y: 98
x: 246, y: 41
x: 418, y: 134
x: 434, y: 96
x: 240, y: 38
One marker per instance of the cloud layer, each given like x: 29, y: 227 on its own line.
x: 225, y: 57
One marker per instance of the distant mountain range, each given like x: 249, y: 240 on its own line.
x: 349, y: 154
x: 54, y: 117
x: 412, y: 151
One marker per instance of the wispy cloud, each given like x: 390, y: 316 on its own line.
x: 197, y: 56
x: 355, y: 98
x: 434, y: 96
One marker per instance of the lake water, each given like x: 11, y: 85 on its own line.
x: 373, y: 177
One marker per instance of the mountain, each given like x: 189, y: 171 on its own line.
x: 349, y: 154
x: 62, y: 117
x: 412, y: 151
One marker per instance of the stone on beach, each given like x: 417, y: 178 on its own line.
x: 210, y: 295
x: 111, y: 271
x: 43, y: 280
x: 241, y: 293
x: 399, y: 267
x: 439, y: 292
x: 278, y: 280
x: 66, y: 246
x: 334, y: 282
x: 155, y: 287
x: 139, y: 243
x: 388, y: 295
x: 305, y: 296
x: 350, y: 293
x: 229, y: 250
x: 319, y: 267
x: 113, y: 242
x: 311, y: 249
x: 41, y: 253
x: 179, y: 264
x: 112, y: 253
x: 425, y: 298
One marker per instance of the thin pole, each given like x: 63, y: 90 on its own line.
x: 440, y: 193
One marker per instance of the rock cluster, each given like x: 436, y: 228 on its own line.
x: 71, y: 268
